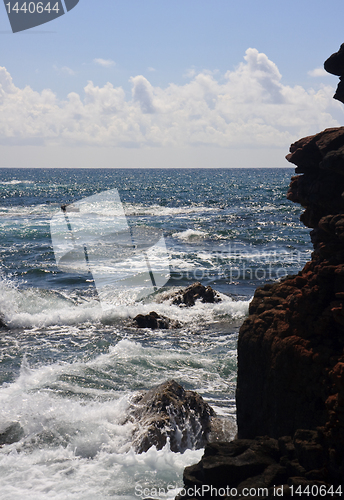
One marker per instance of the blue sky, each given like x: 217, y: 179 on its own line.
x: 155, y: 83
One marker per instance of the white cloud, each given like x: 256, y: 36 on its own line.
x: 318, y: 72
x: 249, y: 107
x: 65, y: 70
x: 106, y: 63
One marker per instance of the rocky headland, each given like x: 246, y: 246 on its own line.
x: 290, y: 387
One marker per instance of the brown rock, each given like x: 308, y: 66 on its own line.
x: 154, y: 321
x: 171, y: 412
x: 194, y: 292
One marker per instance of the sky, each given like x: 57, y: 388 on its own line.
x: 157, y: 83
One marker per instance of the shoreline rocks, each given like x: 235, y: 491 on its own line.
x: 155, y: 321
x: 171, y: 412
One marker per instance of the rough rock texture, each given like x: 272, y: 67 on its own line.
x: 263, y: 463
x: 170, y: 411
x: 290, y: 383
x: 2, y: 323
x: 196, y: 291
x: 155, y: 321
x: 335, y: 65
x: 291, y: 347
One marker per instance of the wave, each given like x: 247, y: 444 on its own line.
x: 77, y: 447
x: 140, y: 209
x: 14, y: 182
x: 190, y: 235
x: 35, y: 307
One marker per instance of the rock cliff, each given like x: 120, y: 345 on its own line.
x: 290, y: 385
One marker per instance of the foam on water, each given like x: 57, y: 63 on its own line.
x: 38, y: 308
x: 77, y: 444
x: 190, y: 235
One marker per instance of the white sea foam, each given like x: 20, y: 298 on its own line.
x: 191, y: 235
x: 139, y: 210
x: 15, y: 182
x: 75, y: 447
x: 39, y: 308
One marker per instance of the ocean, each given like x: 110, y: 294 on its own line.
x: 69, y: 367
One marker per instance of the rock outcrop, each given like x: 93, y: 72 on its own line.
x: 196, y: 291
x: 265, y: 466
x: 171, y: 412
x: 291, y: 347
x: 335, y: 65
x: 155, y: 321
x: 290, y: 383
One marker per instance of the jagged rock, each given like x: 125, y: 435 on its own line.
x: 170, y: 411
x: 12, y: 434
x: 335, y: 65
x: 196, y: 291
x: 154, y: 321
x: 291, y: 347
x: 2, y: 323
x: 262, y: 462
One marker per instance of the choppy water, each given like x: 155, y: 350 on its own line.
x: 68, y: 369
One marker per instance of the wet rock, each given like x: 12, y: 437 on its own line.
x: 196, y: 291
x: 2, y: 323
x: 257, y: 463
x: 12, y: 434
x: 171, y: 412
x: 155, y: 321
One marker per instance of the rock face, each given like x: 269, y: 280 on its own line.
x: 335, y: 65
x: 269, y: 464
x: 170, y: 411
x: 290, y: 384
x: 291, y: 347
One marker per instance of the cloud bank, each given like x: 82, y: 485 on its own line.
x: 248, y: 107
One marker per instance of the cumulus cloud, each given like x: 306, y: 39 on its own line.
x: 247, y: 107
x: 318, y: 72
x: 106, y: 63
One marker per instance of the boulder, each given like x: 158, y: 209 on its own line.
x: 196, y: 291
x: 155, y: 321
x: 170, y: 412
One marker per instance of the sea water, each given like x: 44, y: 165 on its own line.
x: 70, y: 368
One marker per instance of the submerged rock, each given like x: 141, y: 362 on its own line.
x: 155, y: 321
x: 171, y: 412
x: 12, y: 434
x: 2, y: 323
x: 196, y: 291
